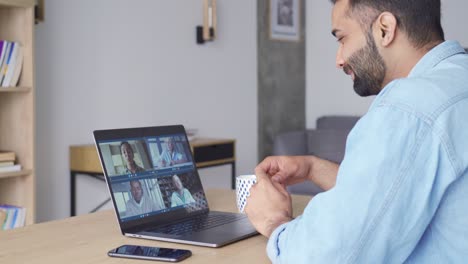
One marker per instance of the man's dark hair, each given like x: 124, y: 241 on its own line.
x: 133, y: 182
x: 420, y: 19
x: 125, y: 143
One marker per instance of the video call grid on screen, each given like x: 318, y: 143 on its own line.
x: 155, y: 173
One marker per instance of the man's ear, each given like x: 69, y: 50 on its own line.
x: 385, y: 28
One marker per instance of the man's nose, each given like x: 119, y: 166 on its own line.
x: 339, y: 59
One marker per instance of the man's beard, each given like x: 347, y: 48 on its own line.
x: 368, y: 68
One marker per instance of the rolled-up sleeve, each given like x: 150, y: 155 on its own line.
x: 273, y: 247
x: 388, y: 188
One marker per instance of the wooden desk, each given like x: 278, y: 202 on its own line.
x: 207, y: 152
x: 87, y: 238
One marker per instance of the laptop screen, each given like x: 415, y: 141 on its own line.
x: 150, y: 174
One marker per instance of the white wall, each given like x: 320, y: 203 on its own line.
x: 329, y: 90
x: 123, y: 63
x: 454, y: 20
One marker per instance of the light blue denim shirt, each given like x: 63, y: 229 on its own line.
x: 401, y: 194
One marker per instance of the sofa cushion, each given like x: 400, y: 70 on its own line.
x: 337, y: 122
x: 290, y: 143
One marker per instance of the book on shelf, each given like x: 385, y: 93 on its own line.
x: 6, y: 55
x: 9, y: 63
x: 13, y: 81
x: 13, y: 216
x: 7, y: 156
x: 12, y: 64
x: 3, y: 47
x: 6, y: 163
x: 3, y: 216
x: 16, y: 167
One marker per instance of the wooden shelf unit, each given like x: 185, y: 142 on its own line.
x: 17, y: 121
x: 17, y: 3
x: 15, y: 174
x: 15, y: 89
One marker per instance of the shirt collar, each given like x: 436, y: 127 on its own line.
x: 434, y: 56
x: 142, y: 200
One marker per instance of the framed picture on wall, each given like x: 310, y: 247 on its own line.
x: 39, y: 11
x: 284, y: 20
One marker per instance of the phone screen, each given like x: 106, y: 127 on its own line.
x: 155, y: 253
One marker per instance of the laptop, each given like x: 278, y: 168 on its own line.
x: 156, y: 190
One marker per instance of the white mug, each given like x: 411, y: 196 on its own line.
x: 243, y: 184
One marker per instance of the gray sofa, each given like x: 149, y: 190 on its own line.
x: 327, y: 141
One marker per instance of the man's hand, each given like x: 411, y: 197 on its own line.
x: 269, y: 204
x: 286, y: 170
x: 289, y: 170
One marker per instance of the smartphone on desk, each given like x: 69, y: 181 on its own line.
x: 150, y: 253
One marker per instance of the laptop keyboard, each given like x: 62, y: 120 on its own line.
x: 197, y: 223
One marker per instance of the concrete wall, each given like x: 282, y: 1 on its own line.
x: 281, y: 81
x: 329, y: 90
x: 122, y: 63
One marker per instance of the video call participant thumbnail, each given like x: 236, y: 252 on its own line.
x: 181, y: 195
x: 128, y: 155
x: 170, y: 156
x: 140, y: 203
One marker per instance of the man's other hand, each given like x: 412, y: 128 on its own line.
x: 269, y: 204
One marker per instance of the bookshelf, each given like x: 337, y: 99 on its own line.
x: 17, y: 121
x: 15, y: 89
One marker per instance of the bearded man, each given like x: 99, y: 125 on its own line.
x: 400, y: 194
